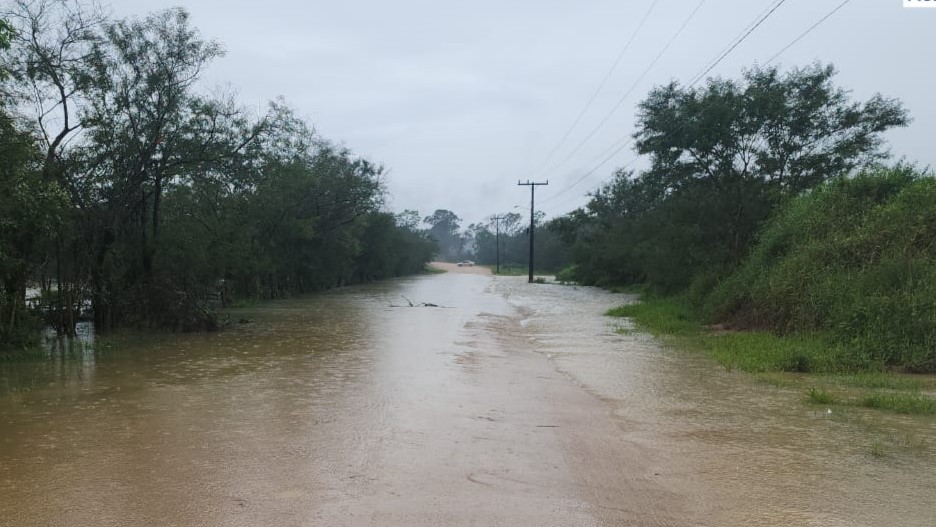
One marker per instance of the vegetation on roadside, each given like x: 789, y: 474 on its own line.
x: 855, y: 259
x: 820, y: 396
x: 134, y: 198
x: 515, y: 270
x: 837, y: 377
x: 825, y: 290
x: 500, y: 237
x: 901, y: 403
x: 723, y: 158
x: 753, y: 351
x: 567, y: 275
x: 660, y: 316
x: 766, y: 210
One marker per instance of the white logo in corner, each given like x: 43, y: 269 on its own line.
x: 919, y: 3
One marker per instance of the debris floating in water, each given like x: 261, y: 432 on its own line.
x: 419, y: 304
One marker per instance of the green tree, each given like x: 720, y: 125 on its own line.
x: 791, y: 130
x: 445, y: 229
x: 723, y: 157
x: 50, y: 47
x: 30, y: 209
x: 156, y: 204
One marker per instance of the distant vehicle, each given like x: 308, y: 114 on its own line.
x: 465, y: 263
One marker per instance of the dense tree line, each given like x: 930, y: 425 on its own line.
x: 766, y: 206
x: 550, y: 254
x: 133, y: 197
x: 445, y: 229
x: 499, y: 237
x: 723, y: 158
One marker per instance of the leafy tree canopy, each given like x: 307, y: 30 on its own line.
x: 723, y: 156
x: 792, y: 130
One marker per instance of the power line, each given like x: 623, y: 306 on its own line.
x: 616, y: 146
x: 759, y: 20
x: 808, y: 31
x: 576, y: 196
x: 737, y: 38
x: 736, y: 44
x: 633, y: 87
x: 590, y: 172
x: 601, y: 85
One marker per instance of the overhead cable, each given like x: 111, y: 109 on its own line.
x: 808, y: 31
x: 632, y: 88
x: 600, y: 87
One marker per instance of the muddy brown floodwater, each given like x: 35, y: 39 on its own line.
x: 514, y: 404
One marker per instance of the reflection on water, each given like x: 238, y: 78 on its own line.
x: 213, y: 425
x: 309, y: 406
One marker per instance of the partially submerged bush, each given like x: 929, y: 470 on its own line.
x: 568, y: 274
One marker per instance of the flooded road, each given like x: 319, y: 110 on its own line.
x: 512, y: 404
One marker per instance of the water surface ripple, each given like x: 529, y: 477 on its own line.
x: 511, y: 404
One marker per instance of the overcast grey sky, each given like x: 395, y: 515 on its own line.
x: 461, y: 99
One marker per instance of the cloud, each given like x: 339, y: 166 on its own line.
x: 462, y: 99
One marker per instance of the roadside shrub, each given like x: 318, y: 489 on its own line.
x: 856, y: 258
x: 568, y: 274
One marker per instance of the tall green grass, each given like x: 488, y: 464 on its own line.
x: 879, y: 380
x: 661, y: 316
x: 768, y: 355
x: 820, y: 396
x: 754, y: 351
x: 854, y: 260
x: 901, y: 403
x: 760, y: 351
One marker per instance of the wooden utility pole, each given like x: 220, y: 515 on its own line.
x: 532, y: 186
x: 497, y: 219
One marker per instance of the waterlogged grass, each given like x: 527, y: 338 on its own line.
x: 813, y: 362
x: 749, y: 351
x: 764, y: 352
x: 872, y: 380
x: 659, y: 317
x: 820, y: 396
x: 873, y: 390
x: 901, y: 403
x: 879, y: 380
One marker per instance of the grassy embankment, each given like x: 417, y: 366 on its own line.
x: 782, y: 360
x: 842, y: 284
